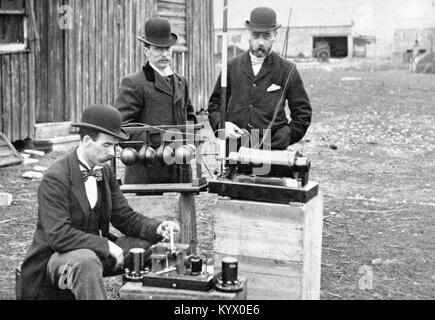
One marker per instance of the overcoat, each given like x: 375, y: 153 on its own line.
x: 147, y: 97
x: 252, y: 100
x: 63, y: 220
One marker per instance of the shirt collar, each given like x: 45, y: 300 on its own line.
x: 165, y: 73
x: 255, y: 60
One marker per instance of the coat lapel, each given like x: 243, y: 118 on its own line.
x: 160, y: 83
x: 78, y: 187
x: 107, y: 201
x: 163, y: 85
x: 180, y: 117
x: 266, y: 68
x: 247, y: 66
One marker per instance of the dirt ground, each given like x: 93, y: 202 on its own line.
x: 372, y: 147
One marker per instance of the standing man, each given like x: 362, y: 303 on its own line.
x: 78, y: 198
x: 155, y: 96
x: 259, y: 82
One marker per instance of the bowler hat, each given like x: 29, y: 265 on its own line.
x: 105, y: 119
x: 263, y: 19
x: 158, y: 33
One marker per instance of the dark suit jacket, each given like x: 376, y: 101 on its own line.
x: 250, y: 105
x: 63, y: 218
x: 146, y: 97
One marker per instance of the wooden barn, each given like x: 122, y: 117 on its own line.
x: 59, y: 56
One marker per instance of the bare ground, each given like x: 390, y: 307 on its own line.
x: 372, y: 145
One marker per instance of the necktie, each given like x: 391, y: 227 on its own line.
x: 98, y: 174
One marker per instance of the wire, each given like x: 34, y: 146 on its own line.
x: 143, y: 125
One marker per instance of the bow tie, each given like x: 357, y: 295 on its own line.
x: 98, y: 174
x: 86, y: 172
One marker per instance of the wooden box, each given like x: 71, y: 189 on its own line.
x: 278, y: 246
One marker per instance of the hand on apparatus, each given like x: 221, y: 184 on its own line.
x: 232, y: 131
x: 117, y: 253
x: 164, y: 229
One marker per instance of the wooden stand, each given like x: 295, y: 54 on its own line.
x: 278, y: 246
x: 183, y: 211
x: 136, y: 291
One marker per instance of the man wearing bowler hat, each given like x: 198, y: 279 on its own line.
x: 259, y: 83
x: 78, y: 198
x: 156, y: 96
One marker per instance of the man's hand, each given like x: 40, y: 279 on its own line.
x: 164, y: 229
x: 232, y: 131
x: 117, y: 253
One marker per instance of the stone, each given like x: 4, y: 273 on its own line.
x: 30, y: 161
x: 5, y: 199
x: 39, y: 168
x: 32, y: 175
x: 35, y: 153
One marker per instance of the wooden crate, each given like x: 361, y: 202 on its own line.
x: 278, y: 246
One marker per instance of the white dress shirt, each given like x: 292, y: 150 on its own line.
x: 165, y: 73
x: 90, y: 184
x: 257, y: 63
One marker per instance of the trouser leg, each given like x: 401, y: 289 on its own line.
x: 80, y: 271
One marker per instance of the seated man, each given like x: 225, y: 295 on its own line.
x: 78, y: 198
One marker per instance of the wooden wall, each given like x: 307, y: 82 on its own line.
x: 17, y: 103
x: 17, y: 88
x: 201, y: 69
x: 67, y: 69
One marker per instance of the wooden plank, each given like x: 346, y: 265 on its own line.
x: 98, y: 62
x: 50, y: 130
x: 270, y: 231
x: 112, y: 45
x: 313, y: 227
x: 78, y: 57
x: 122, y: 41
x: 85, y: 53
x: 70, y: 71
x: 92, y: 52
x: 6, y: 94
x: 136, y: 291
x: 130, y: 37
x: 32, y: 92
x: 138, y: 44
x: 14, y: 157
x: 161, y: 188
x: 4, y: 151
x: 54, y: 85
x: 9, y: 161
x: 104, y: 52
x: 187, y: 218
x: 24, y: 71
x: 15, y: 94
x: 1, y: 94
x: 41, y: 55
x: 160, y: 207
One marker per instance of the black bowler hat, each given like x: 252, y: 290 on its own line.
x: 263, y: 19
x: 158, y: 33
x: 105, y: 119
